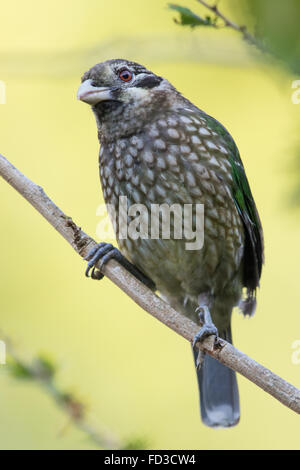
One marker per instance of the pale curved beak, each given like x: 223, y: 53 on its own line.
x: 91, y: 94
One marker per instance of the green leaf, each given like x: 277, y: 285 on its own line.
x: 136, y: 443
x: 189, y: 18
x: 19, y: 370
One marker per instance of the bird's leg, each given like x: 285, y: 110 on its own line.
x: 106, y: 251
x: 208, y: 328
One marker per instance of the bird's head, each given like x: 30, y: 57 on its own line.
x: 124, y: 95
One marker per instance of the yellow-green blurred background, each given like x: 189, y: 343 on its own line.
x: 136, y: 376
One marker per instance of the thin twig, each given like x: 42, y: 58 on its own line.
x: 42, y: 371
x: 230, y: 24
x: 82, y: 243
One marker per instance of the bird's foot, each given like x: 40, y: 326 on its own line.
x: 208, y: 329
x: 103, y: 252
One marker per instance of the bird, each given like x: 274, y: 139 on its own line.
x: 157, y: 147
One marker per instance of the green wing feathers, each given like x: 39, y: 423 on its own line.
x: 241, y: 192
x: 254, y: 246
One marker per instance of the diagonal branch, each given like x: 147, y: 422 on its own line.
x: 230, y: 24
x: 42, y: 371
x: 224, y: 352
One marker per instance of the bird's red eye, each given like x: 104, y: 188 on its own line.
x: 125, y: 75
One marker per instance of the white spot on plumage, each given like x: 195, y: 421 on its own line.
x: 133, y: 151
x: 190, y: 179
x: 165, y: 181
x: 151, y: 194
x: 140, y: 144
x: 129, y: 187
x: 148, y: 156
x: 172, y: 122
x: 137, y: 142
x: 129, y: 173
x: 197, y: 121
x: 110, y: 180
x: 196, y: 140
x: 223, y: 149
x: 135, y: 179
x: 211, y: 145
x: 159, y: 144
x: 209, y: 204
x: 150, y: 175
x: 227, y: 164
x: 173, y: 133
x: 136, y: 195
x: 196, y: 191
x: 162, y: 123
x: 171, y: 159
x: 161, y: 163
x: 133, y: 140
x: 186, y: 120
x: 185, y: 149
x: 128, y: 160
x: 220, y: 199
x: 193, y: 157
x: 209, y: 187
x: 120, y: 175
x: 208, y: 223
x: 223, y: 166
x: 143, y: 188
x: 174, y: 186
x: 160, y: 190
x: 237, y: 232
x: 203, y: 131
x: 214, y: 214
x: 118, y: 151
x: 201, y: 171
x: 153, y: 132
x: 213, y: 161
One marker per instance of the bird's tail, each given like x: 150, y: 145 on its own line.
x: 219, y: 396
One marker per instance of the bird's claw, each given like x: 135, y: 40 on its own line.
x: 207, y: 329
x: 96, y: 274
x: 204, y: 332
x: 200, y: 359
x: 104, y: 252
